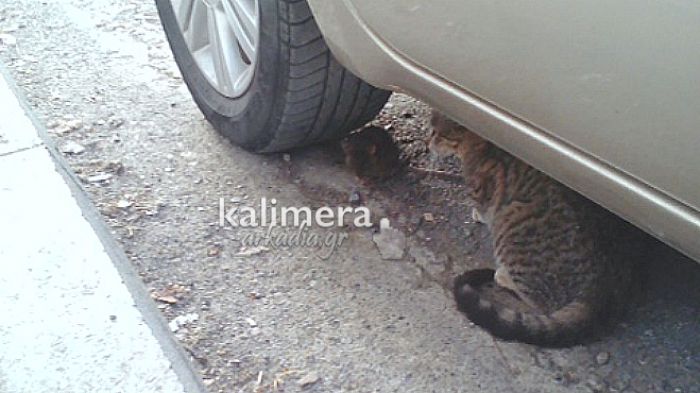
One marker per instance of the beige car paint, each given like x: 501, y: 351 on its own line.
x: 604, y: 96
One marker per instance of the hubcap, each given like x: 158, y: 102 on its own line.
x: 223, y: 37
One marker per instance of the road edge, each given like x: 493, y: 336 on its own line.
x: 179, y: 360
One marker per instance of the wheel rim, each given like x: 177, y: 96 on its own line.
x: 223, y: 37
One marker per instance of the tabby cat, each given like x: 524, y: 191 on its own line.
x: 551, y: 248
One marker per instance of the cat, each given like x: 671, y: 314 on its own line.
x: 371, y: 154
x: 551, y: 247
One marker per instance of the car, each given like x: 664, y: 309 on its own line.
x: 601, y: 96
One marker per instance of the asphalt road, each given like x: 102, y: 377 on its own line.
x: 100, y: 76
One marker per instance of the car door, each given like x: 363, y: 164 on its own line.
x: 619, y: 80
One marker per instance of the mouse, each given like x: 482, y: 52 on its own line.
x: 371, y: 154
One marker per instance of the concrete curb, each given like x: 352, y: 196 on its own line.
x: 174, y: 353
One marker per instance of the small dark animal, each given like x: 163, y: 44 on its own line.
x: 371, y: 154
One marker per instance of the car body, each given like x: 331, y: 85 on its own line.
x: 603, y: 96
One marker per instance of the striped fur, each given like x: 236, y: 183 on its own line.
x: 570, y: 325
x: 549, y: 247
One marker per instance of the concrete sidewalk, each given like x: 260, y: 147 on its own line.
x: 74, y: 317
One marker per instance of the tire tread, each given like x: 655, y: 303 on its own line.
x: 322, y: 99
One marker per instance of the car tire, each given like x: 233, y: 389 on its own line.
x: 298, y: 95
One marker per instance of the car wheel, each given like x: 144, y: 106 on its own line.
x: 262, y: 74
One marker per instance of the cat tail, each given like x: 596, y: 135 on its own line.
x: 567, y: 326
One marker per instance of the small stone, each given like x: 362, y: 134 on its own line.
x: 167, y: 299
x: 123, y: 204
x: 255, y: 295
x: 476, y: 216
x: 52, y: 124
x: 74, y: 124
x: 250, y: 251
x: 64, y: 126
x: 208, y: 381
x: 390, y: 242
x: 251, y: 322
x: 115, y: 122
x: 73, y: 148
x: 61, y: 130
x: 99, y: 178
x: 182, y: 320
x: 308, y: 380
x: 428, y: 217
x: 355, y: 198
x: 602, y: 358
x: 112, y: 318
